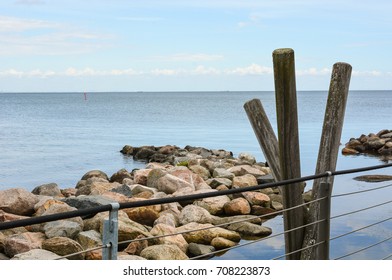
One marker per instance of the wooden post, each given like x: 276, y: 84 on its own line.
x: 289, y: 154
x: 264, y: 134
x: 329, y: 147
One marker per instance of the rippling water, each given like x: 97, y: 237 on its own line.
x: 57, y: 137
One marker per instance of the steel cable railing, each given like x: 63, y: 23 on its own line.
x: 104, y: 208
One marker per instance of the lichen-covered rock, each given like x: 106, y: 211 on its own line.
x: 63, y: 228
x: 204, y: 233
x: 63, y: 246
x: 249, y: 229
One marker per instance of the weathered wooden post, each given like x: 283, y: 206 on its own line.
x: 289, y: 154
x: 328, y: 151
x: 265, y: 135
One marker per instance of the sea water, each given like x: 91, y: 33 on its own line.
x: 57, y: 137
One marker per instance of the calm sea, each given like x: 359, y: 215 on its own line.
x: 57, y: 137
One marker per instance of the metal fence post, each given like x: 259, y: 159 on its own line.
x: 110, y: 234
x: 325, y: 214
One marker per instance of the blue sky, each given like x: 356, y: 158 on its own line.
x: 180, y: 45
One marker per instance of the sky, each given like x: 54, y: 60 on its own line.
x: 187, y: 45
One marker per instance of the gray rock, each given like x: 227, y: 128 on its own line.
x: 247, y: 158
x: 62, y: 228
x: 123, y: 189
x: 85, y: 202
x: 249, y: 229
x: 215, y: 182
x: 195, y: 250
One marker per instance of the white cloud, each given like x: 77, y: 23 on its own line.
x: 13, y: 24
x: 253, y: 69
x: 373, y: 73
x: 202, y: 70
x: 314, y: 72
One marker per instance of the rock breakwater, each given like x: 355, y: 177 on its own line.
x: 169, y: 172
x: 379, y: 144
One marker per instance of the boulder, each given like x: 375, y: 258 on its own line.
x: 204, y: 233
x: 163, y: 252
x: 120, y: 175
x: 167, y: 218
x: 51, y: 189
x: 24, y: 242
x: 63, y: 246
x: 215, y: 182
x: 36, y: 254
x: 249, y: 229
x: 220, y: 243
x: 373, y: 178
x: 237, y: 206
x: 95, y: 173
x: 246, y: 180
x: 247, y: 158
x: 201, y: 171
x: 170, y: 184
x: 172, y: 239
x: 62, y: 228
x: 130, y: 258
x: 153, y: 176
x: 137, y: 188
x: 241, y: 170
x: 17, y: 201
x: 90, y: 239
x: 195, y: 249
x: 222, y: 173
x: 145, y: 215
x: 214, y: 205
x: 85, y: 202
x: 6, y: 217
x: 137, y: 246
x: 257, y: 198
x: 140, y: 176
x: 193, y: 213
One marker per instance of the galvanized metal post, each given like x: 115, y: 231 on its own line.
x: 325, y: 214
x: 110, y: 234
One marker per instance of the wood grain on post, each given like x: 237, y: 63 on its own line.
x: 264, y: 134
x: 329, y: 147
x: 289, y: 153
